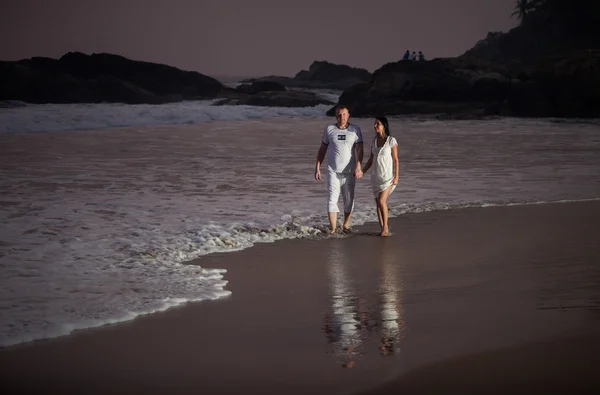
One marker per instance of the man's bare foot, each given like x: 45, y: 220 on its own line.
x: 385, y: 233
x: 347, y: 230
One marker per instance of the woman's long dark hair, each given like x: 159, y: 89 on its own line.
x: 385, y: 124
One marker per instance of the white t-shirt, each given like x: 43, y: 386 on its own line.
x: 341, y: 156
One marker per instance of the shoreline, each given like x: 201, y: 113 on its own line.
x: 446, y: 284
x: 373, y: 231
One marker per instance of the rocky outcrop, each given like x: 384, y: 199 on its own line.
x: 441, y: 85
x: 548, y: 66
x: 333, y: 73
x: 322, y: 75
x: 562, y: 86
x: 81, y: 78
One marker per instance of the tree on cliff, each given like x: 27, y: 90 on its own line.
x: 522, y: 8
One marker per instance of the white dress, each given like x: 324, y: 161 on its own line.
x: 383, y: 166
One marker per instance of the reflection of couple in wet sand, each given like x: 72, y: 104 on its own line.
x: 343, y: 144
x: 352, y: 317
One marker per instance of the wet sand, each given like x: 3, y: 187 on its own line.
x: 563, y: 366
x: 503, y: 299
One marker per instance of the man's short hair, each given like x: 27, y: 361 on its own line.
x: 340, y: 107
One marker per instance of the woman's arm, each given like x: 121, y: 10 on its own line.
x: 396, y: 164
x: 359, y: 158
x: 368, y: 164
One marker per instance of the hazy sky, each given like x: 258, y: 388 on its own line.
x: 249, y: 37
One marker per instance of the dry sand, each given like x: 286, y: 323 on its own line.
x: 481, y: 300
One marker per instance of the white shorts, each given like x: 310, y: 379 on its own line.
x: 336, y: 183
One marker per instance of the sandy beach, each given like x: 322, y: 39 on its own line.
x: 477, y: 300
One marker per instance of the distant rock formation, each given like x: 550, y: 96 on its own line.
x: 333, y: 73
x: 322, y: 75
x: 81, y: 78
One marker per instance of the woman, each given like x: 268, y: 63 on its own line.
x: 384, y: 178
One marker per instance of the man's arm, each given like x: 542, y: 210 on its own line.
x: 320, y: 157
x: 358, y: 173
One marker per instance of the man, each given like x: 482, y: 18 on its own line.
x: 343, y: 144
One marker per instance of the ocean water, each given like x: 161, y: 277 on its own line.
x: 20, y: 118
x: 102, y: 206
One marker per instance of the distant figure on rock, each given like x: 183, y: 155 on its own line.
x: 421, y: 57
x: 413, y: 56
x: 406, y: 55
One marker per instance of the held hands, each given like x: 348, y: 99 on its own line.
x: 395, y: 181
x: 358, y: 173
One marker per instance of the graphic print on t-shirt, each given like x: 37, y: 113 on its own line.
x: 341, y: 156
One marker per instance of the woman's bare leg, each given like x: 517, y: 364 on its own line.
x: 382, y: 203
x: 379, y: 212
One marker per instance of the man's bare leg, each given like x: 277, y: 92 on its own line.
x: 347, y: 220
x: 332, y: 221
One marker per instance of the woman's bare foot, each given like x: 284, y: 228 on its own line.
x: 385, y: 232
